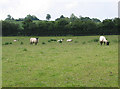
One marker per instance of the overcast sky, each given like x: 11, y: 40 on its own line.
x: 101, y: 9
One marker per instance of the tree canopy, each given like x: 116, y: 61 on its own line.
x: 48, y: 17
x: 73, y: 25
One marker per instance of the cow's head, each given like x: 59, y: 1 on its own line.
x: 37, y: 39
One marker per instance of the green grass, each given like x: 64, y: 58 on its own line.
x: 81, y: 63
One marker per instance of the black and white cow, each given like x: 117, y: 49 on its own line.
x: 34, y: 40
x: 102, y: 40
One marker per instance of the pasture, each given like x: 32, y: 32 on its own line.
x: 80, y: 63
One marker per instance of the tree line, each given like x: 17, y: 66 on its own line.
x: 62, y: 26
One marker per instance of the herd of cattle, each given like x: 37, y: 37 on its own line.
x: 102, y: 40
x: 36, y: 40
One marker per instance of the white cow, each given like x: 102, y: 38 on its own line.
x: 34, y: 40
x: 69, y: 40
x: 60, y: 40
x: 16, y: 40
x: 102, y: 39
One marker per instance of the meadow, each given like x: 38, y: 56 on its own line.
x: 80, y: 63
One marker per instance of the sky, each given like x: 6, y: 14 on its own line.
x: 101, y: 9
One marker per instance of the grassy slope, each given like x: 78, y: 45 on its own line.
x: 83, y: 64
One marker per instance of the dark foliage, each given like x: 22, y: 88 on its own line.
x: 61, y: 27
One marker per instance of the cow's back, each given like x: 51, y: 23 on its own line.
x: 32, y: 39
x: 102, y: 38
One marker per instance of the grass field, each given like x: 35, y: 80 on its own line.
x: 81, y: 63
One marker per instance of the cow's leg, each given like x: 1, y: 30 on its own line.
x: 104, y: 43
x: 30, y: 42
x: 101, y: 42
x: 35, y: 43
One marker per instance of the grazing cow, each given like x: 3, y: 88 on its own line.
x: 60, y: 40
x: 34, y: 40
x: 102, y: 39
x: 15, y: 40
x: 69, y: 40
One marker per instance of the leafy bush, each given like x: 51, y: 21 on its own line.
x: 10, y: 43
x: 43, y: 43
x: 6, y: 43
x: 84, y: 42
x: 76, y: 42
x: 49, y: 40
x: 41, y: 52
x: 53, y: 40
x: 21, y: 43
x: 95, y: 40
x: 24, y: 49
x: 89, y: 41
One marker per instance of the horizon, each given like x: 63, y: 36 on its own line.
x: 59, y: 17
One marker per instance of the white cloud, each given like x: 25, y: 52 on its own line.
x: 98, y: 0
x: 93, y: 8
x: 34, y: 5
x: 21, y: 8
x: 7, y: 7
x: 71, y: 5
